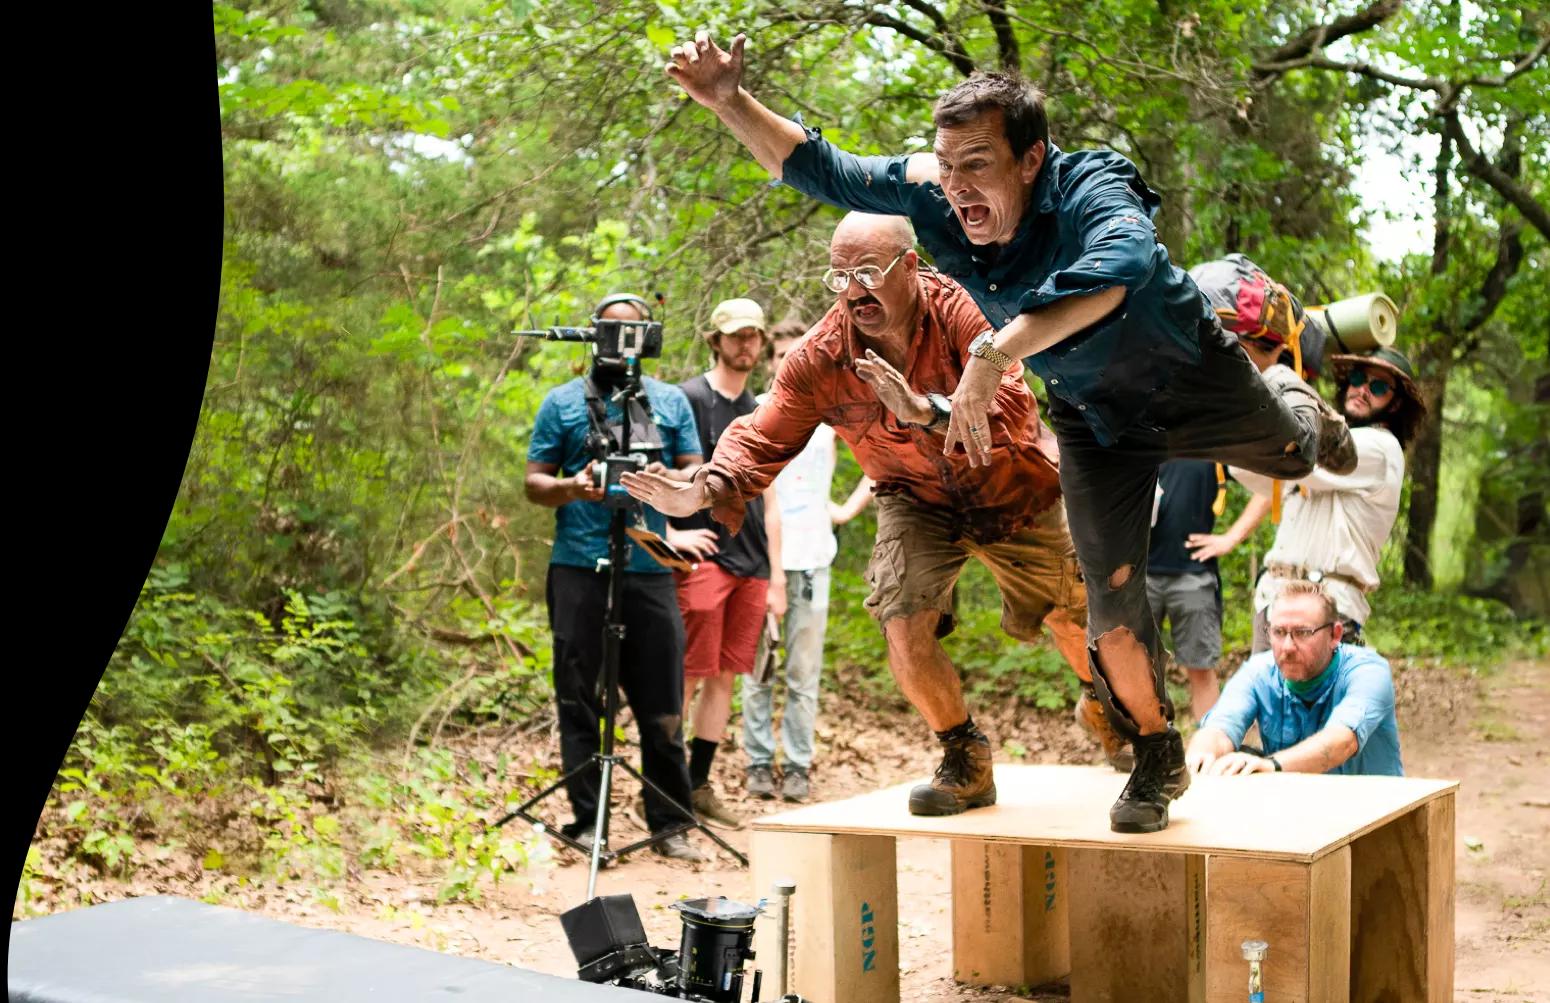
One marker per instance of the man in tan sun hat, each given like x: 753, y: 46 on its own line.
x: 1334, y: 525
x: 725, y: 598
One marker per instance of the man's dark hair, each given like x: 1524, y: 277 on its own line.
x: 786, y: 330
x: 1020, y: 102
x: 1401, y: 416
x: 791, y: 327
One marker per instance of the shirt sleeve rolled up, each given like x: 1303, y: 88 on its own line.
x: 1368, y: 700
x: 821, y: 170
x: 1119, y: 246
x: 757, y: 446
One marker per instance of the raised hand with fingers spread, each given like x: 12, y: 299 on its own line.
x: 710, y: 74
x: 889, y: 385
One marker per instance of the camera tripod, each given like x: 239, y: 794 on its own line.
x: 605, y: 760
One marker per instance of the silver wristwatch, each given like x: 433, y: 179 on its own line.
x: 984, y: 347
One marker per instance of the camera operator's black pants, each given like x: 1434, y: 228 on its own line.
x: 650, y: 674
x: 1220, y: 409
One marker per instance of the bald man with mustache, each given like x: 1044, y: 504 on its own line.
x: 879, y: 368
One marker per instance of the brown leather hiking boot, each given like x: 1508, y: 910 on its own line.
x: 1336, y: 451
x: 1090, y: 715
x: 963, y: 780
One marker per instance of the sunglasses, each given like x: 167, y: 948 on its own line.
x: 837, y: 280
x: 1375, y: 386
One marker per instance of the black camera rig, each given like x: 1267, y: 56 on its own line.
x: 609, y: 942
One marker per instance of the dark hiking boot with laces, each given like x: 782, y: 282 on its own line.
x: 963, y: 780
x: 1159, y: 777
x: 1090, y: 715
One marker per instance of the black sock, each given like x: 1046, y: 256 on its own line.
x: 961, y: 731
x: 701, y: 755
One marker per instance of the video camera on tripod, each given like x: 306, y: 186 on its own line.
x: 611, y: 338
x: 618, y: 345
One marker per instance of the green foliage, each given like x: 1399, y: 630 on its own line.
x: 1453, y: 629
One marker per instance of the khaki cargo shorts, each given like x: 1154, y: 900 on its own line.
x: 915, y: 564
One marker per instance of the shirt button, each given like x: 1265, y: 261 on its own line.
x: 1081, y: 407
x: 1054, y: 383
x: 992, y: 287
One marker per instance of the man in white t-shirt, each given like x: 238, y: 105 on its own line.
x: 808, y: 547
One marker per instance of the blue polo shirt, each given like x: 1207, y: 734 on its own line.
x: 1089, y: 227
x: 1357, y: 690
x: 559, y: 437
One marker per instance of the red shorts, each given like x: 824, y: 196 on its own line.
x: 723, y: 616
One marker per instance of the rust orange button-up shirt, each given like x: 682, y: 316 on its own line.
x: 818, y: 384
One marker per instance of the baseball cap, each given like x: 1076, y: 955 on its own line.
x: 734, y: 315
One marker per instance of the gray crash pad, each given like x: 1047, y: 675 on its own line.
x: 161, y: 949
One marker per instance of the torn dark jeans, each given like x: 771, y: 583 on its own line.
x: 1221, y: 410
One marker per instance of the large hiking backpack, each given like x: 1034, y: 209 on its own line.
x: 1251, y: 304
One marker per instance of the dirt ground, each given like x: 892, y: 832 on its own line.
x: 1486, y: 731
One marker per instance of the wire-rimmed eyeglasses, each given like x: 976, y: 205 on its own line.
x: 837, y: 280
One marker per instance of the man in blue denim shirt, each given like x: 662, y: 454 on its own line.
x: 1060, y: 253
x: 559, y: 475
x: 1322, y: 706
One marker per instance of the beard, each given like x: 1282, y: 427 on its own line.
x: 608, y: 374
x: 1376, y: 417
x: 740, y: 364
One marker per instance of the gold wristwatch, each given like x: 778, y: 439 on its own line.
x: 984, y: 347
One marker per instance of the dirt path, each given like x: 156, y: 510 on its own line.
x: 1487, y: 732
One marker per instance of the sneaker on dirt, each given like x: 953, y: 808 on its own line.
x: 760, y: 782
x: 678, y: 847
x: 794, y: 784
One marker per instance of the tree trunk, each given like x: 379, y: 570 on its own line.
x: 1425, y: 464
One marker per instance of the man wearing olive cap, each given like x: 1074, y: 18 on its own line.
x: 1333, y: 526
x: 725, y: 597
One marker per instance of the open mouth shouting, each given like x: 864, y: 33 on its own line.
x: 866, y: 310
x: 975, y: 215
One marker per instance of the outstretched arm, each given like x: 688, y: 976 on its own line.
x: 1318, y: 753
x: 859, y: 499
x: 713, y: 76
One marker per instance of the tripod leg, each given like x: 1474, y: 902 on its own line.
x: 687, y: 814
x: 521, y: 809
x: 600, y: 830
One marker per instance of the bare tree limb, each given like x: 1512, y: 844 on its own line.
x: 1310, y: 40
x: 1505, y: 186
x: 1006, y: 40
x: 949, y: 49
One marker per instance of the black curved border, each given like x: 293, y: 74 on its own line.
x: 124, y: 283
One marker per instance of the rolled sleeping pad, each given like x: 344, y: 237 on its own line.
x: 1361, y: 323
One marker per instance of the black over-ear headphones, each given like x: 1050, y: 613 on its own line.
x: 617, y: 298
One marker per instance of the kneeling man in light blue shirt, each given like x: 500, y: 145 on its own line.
x: 1322, y: 706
